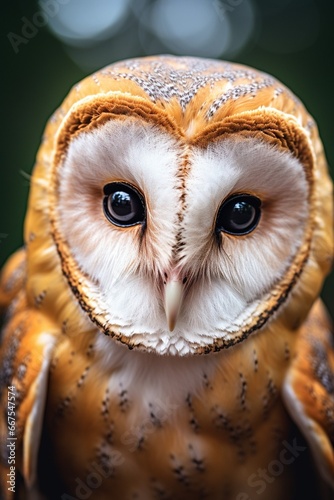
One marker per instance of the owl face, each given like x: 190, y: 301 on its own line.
x: 180, y: 232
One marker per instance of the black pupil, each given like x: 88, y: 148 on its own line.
x: 242, y: 214
x: 239, y: 215
x: 123, y: 205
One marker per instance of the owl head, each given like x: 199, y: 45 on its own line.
x: 186, y: 202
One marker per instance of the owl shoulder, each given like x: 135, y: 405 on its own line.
x: 308, y: 389
x: 27, y: 343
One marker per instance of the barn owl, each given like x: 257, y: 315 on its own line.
x: 163, y: 336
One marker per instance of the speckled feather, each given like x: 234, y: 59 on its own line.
x: 114, y: 425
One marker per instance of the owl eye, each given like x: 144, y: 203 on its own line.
x: 239, y: 214
x: 123, y: 205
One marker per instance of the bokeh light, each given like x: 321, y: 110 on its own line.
x: 90, y: 31
x: 82, y: 23
x: 190, y: 27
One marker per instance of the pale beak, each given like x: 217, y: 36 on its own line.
x: 174, y: 290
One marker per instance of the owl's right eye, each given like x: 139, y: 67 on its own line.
x: 123, y: 204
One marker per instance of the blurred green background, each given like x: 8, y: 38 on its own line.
x: 49, y: 45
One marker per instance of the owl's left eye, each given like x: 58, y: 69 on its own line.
x: 123, y: 204
x: 239, y: 214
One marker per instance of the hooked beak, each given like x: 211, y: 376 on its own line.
x: 173, y: 296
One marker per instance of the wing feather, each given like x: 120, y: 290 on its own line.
x: 308, y: 389
x: 28, y: 340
